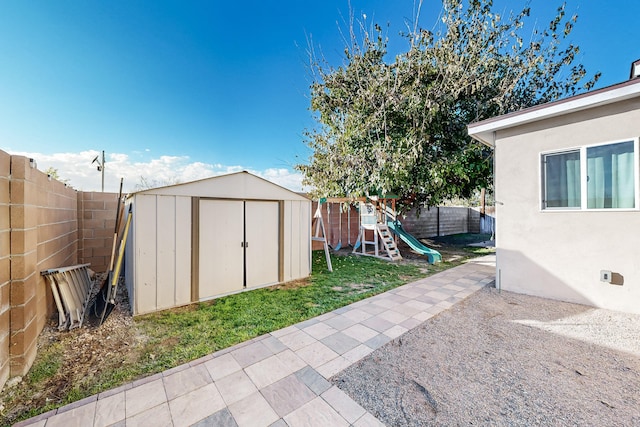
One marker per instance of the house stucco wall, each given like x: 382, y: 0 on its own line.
x: 559, y: 254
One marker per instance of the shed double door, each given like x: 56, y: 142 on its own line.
x: 239, y: 245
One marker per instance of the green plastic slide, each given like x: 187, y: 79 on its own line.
x: 432, y: 255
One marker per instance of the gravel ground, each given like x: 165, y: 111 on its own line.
x: 504, y: 359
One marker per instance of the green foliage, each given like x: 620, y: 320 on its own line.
x: 148, y: 183
x: 400, y: 126
x: 53, y: 173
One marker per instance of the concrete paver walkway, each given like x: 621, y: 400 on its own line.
x: 278, y: 379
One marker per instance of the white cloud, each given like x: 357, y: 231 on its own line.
x: 164, y: 170
x: 283, y: 177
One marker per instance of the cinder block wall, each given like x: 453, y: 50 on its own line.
x: 453, y: 220
x: 442, y: 221
x: 474, y: 220
x: 39, y: 229
x: 5, y: 270
x: 422, y: 224
x: 43, y: 222
x: 96, y: 225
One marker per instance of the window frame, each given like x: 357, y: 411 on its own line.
x: 543, y: 179
x: 582, y: 150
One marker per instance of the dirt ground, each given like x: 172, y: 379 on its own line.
x: 504, y: 359
x: 86, y: 349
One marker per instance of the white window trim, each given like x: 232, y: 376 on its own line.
x: 583, y: 177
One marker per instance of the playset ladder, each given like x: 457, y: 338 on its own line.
x: 373, y: 218
x: 381, y: 233
x: 388, y: 242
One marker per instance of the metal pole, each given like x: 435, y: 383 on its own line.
x: 102, y: 171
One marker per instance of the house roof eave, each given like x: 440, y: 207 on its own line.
x: 483, y: 130
x: 486, y: 138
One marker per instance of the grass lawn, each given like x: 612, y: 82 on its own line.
x: 76, y: 364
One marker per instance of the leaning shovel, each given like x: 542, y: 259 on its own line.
x: 97, y: 309
x: 112, y: 288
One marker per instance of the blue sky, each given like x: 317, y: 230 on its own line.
x: 181, y: 90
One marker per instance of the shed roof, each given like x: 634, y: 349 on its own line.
x: 238, y: 185
x: 484, y: 131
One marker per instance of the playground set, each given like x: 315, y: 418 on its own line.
x: 373, y: 220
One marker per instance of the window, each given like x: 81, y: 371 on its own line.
x: 610, y: 176
x: 562, y: 178
x: 595, y: 177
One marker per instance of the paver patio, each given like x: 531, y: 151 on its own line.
x: 281, y: 378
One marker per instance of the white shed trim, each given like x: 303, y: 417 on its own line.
x: 238, y: 185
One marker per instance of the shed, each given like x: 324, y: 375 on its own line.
x: 567, y: 190
x: 217, y: 236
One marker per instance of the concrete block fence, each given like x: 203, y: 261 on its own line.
x: 43, y: 224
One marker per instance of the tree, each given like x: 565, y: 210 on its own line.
x: 53, y: 173
x: 147, y: 183
x: 399, y: 126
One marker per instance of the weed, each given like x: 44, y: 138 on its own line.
x: 47, y: 364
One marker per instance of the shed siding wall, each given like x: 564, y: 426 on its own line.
x: 286, y: 237
x: 162, y: 241
x: 557, y: 254
x: 160, y: 276
x: 130, y: 257
x: 305, y: 239
x: 145, y: 267
x: 183, y: 251
x: 165, y: 251
x: 297, y: 239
